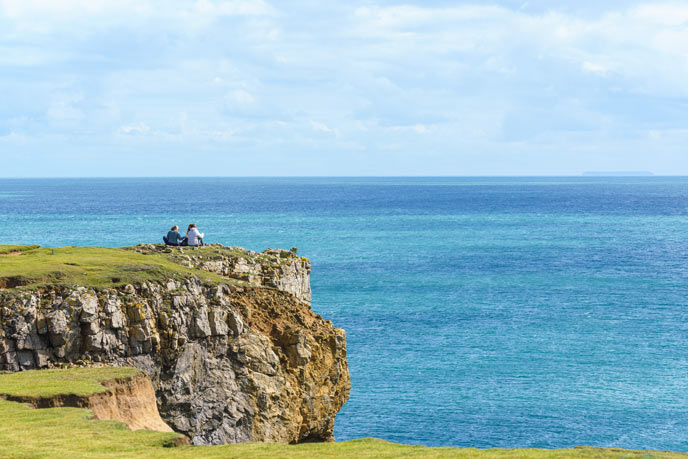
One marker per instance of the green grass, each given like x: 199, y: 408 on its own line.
x: 30, y: 266
x: 70, y: 432
x: 8, y: 249
x: 48, y: 383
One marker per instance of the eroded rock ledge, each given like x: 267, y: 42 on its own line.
x: 245, y: 360
x: 129, y: 400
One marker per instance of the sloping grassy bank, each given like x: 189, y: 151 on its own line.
x: 70, y: 432
x: 71, y: 381
x: 16, y: 249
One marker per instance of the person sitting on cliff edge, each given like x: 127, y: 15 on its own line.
x: 173, y: 237
x: 193, y: 236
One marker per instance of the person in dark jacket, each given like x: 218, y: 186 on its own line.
x: 173, y: 237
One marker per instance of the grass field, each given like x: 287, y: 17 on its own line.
x: 71, y: 433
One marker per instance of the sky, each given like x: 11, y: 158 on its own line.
x: 330, y: 88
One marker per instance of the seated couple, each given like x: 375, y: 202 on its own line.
x: 193, y: 237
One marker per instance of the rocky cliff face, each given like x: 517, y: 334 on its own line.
x: 245, y: 360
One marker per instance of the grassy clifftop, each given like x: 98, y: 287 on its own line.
x: 100, y: 267
x: 70, y: 432
x: 96, y: 267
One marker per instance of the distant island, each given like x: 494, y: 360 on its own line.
x: 618, y: 174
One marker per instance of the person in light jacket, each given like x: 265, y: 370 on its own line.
x: 193, y: 236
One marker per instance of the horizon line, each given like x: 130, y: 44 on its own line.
x: 582, y: 175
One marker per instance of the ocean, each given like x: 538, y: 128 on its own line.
x: 502, y: 312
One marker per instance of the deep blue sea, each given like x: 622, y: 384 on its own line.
x: 484, y: 312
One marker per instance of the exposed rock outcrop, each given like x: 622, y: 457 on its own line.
x: 275, y: 268
x: 230, y: 362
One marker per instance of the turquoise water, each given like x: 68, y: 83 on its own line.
x: 486, y: 312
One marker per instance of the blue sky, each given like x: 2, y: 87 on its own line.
x: 153, y: 88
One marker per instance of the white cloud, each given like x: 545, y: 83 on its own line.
x: 43, y: 17
x: 664, y: 14
x: 224, y: 135
x: 14, y: 138
x: 321, y: 127
x: 595, y: 68
x: 647, y: 43
x: 135, y: 129
x: 417, y: 128
x: 232, y: 8
x: 23, y: 9
x: 405, y: 16
x: 241, y: 97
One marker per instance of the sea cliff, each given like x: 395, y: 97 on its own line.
x: 226, y: 335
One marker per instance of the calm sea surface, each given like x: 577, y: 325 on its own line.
x: 485, y: 312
